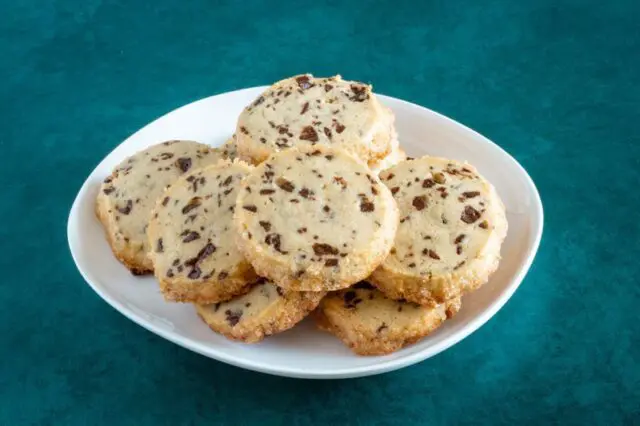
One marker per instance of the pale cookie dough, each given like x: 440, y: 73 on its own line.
x: 305, y: 110
x: 315, y: 218
x: 452, y: 224
x: 370, y: 323
x: 265, y: 310
x: 396, y: 156
x: 128, y: 195
x: 230, y: 149
x: 192, y: 237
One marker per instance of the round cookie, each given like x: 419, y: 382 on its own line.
x: 305, y: 110
x: 128, y: 195
x: 452, y: 224
x: 314, y: 219
x: 265, y: 310
x: 370, y: 323
x: 193, y: 239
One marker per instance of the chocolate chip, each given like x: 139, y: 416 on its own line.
x: 274, y: 241
x: 459, y: 265
x: 127, y: 208
x: 321, y: 249
x: 305, y: 108
x: 458, y: 250
x: 251, y: 208
x: 307, y: 193
x: 339, y: 127
x: 165, y: 201
x: 327, y: 87
x: 470, y: 215
x: 326, y: 209
x: 159, y: 247
x: 166, y: 155
x: 302, y: 230
x: 327, y: 132
x: 432, y: 254
x: 419, y: 202
x: 227, y: 181
x: 258, y: 101
x: 331, y: 262
x: 170, y: 273
x: 459, y: 238
x: 265, y: 225
x: 412, y: 265
x: 233, y: 317
x: 191, y: 236
x: 395, y: 189
x: 308, y: 133
x: 303, y: 82
x: 222, y: 275
x: 108, y: 190
x: 195, y: 272
x: 470, y: 194
x: 366, y: 205
x: 359, y: 93
x: 340, y: 180
x: 183, y: 163
x: 192, y: 204
x: 267, y: 191
x: 285, y: 184
x: 244, y: 130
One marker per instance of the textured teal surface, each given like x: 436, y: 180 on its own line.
x: 555, y: 83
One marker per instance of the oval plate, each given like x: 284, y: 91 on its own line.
x: 304, y: 351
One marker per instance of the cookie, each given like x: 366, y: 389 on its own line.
x: 265, y: 310
x: 452, y: 224
x: 304, y: 110
x: 314, y: 219
x: 370, y: 323
x: 128, y: 195
x: 192, y: 236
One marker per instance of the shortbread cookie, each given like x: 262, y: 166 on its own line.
x: 452, y: 224
x: 128, y: 195
x: 192, y: 237
x: 315, y: 218
x: 305, y: 110
x: 370, y: 323
x: 265, y: 310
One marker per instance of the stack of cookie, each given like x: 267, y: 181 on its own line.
x: 310, y: 207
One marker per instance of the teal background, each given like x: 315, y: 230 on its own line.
x: 555, y: 83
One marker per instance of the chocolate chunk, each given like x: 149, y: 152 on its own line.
x: 395, y: 189
x: 222, y: 275
x: 459, y: 238
x: 366, y: 205
x: 331, y: 262
x: 170, y: 273
x: 274, y: 241
x: 326, y: 209
x: 359, y: 93
x: 302, y: 230
x: 166, y: 155
x: 308, y: 133
x: 258, y: 101
x: 321, y: 249
x: 233, y: 317
x: 340, y: 180
x: 195, y: 273
x: 267, y: 191
x: 244, y: 130
x: 159, y: 247
x: 227, y: 181
x: 307, y: 193
x: 458, y: 250
x: 192, y: 204
x: 470, y: 215
x: 432, y: 254
x: 303, y: 82
x: 339, y: 127
x: 108, y: 190
x: 251, y: 208
x: 459, y: 265
x: 390, y: 176
x: 165, y: 201
x: 305, y: 108
x: 285, y: 184
x: 419, y: 202
x: 127, y: 208
x: 191, y: 236
x: 265, y: 225
x: 184, y: 163
x: 412, y: 265
x: 327, y: 132
x: 470, y: 194
x: 327, y: 87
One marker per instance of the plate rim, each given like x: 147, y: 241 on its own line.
x: 350, y: 372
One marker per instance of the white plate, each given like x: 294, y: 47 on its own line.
x: 305, y: 351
